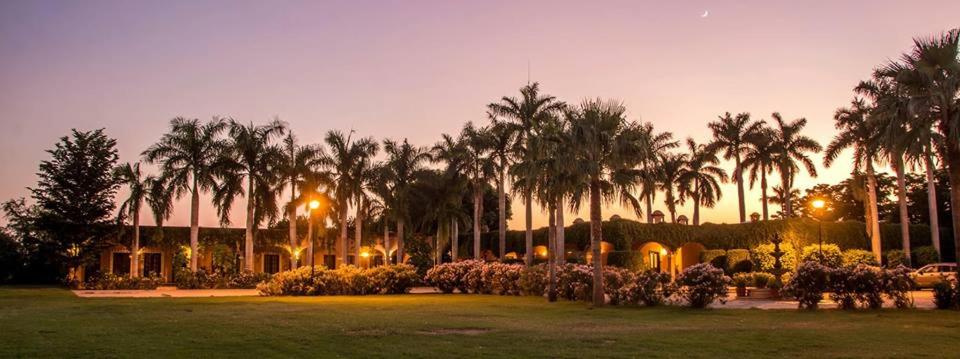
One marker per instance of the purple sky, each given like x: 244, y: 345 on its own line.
x: 421, y: 68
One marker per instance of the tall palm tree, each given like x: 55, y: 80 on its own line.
x: 890, y: 116
x: 314, y: 185
x: 860, y: 136
x: 780, y: 198
x: 731, y: 135
x: 129, y: 175
x: 671, y: 167
x: 365, y: 177
x: 657, y: 146
x: 701, y: 177
x: 403, y: 163
x: 453, y: 153
x: 345, y: 154
x: 480, y: 169
x: 298, y: 163
x: 552, y: 148
x: 606, y: 144
x: 502, y: 141
x: 930, y: 76
x: 187, y: 155
x: 525, y: 113
x: 760, y: 160
x: 253, y: 158
x: 791, y: 149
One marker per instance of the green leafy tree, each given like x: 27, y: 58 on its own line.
x: 731, y: 134
x: 403, y: 162
x: 759, y: 160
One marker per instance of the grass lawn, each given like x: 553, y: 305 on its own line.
x: 46, y: 322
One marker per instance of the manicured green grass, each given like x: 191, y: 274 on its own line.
x: 44, y: 322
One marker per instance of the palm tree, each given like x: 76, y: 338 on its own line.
x: 890, y: 117
x: 760, y: 160
x: 791, y: 148
x: 138, y: 186
x: 298, y: 163
x: 930, y: 77
x: 345, y: 154
x: 364, y: 178
x: 187, y: 155
x: 314, y: 185
x: 403, y: 163
x: 159, y: 198
x: 671, y: 167
x: 526, y: 113
x: 480, y: 169
x: 780, y: 198
x: 657, y: 146
x: 606, y: 144
x: 502, y: 141
x: 453, y: 153
x: 731, y: 135
x: 250, y: 157
x: 857, y: 134
x: 700, y: 178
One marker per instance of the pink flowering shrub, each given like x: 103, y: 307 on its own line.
x: 348, y: 280
x: 575, y: 282
x: 897, y: 284
x: 505, y: 278
x: 533, y: 280
x: 446, y: 277
x: 702, y: 284
x: 860, y: 284
x: 807, y: 284
x: 614, y: 280
x: 650, y: 288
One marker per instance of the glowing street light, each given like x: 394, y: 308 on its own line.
x: 819, y: 203
x: 818, y: 206
x: 314, y: 204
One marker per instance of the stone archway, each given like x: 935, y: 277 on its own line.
x: 655, y: 256
x: 689, y: 254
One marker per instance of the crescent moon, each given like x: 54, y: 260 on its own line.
x: 705, y: 13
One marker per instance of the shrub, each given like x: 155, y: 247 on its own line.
x: 716, y: 257
x: 895, y: 257
x: 247, y: 280
x: 843, y: 288
x: 897, y: 284
x: 348, y: 280
x: 762, y: 280
x: 945, y: 295
x: 738, y: 260
x: 614, y: 280
x: 110, y: 281
x: 853, y: 257
x: 763, y: 261
x: 861, y: 284
x: 702, y: 284
x: 478, y: 278
x: 533, y: 280
x: 506, y: 278
x: 832, y: 256
x: 924, y: 255
x: 201, y: 279
x: 807, y: 284
x: 742, y: 280
x: 448, y: 276
x: 575, y: 282
x: 650, y: 288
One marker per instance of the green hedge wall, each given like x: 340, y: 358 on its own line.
x: 626, y: 234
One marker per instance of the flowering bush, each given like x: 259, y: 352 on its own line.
x: 348, y: 280
x: 110, y: 281
x: 575, y: 282
x: 648, y: 288
x: 945, y: 295
x: 478, y: 278
x: 807, y: 284
x: 702, y: 284
x: 861, y: 284
x: 247, y: 279
x: 614, y: 280
x: 897, y: 284
x: 447, y: 277
x: 202, y: 279
x: 506, y: 278
x: 533, y: 280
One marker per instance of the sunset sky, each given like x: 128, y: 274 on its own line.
x: 418, y: 69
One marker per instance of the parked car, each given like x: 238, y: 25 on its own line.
x: 934, y: 273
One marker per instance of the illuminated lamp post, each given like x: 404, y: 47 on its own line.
x: 818, y: 208
x: 314, y: 204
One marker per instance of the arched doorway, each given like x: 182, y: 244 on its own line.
x: 655, y: 256
x: 689, y: 254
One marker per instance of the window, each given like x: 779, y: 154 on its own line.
x: 121, y: 263
x: 350, y: 260
x: 377, y: 261
x: 151, y: 264
x: 655, y: 260
x: 271, y: 263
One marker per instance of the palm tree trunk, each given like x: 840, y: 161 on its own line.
x: 596, y: 238
x: 477, y: 208
x: 763, y: 194
x: 502, y: 204
x: 528, y: 240
x: 292, y: 231
x: 649, y: 200
x: 875, y: 221
x: 358, y: 232
x: 561, y: 240
x: 902, y: 199
x: 341, y: 245
x: 552, y: 254
x: 248, y: 234
x: 696, y: 202
x: 953, y: 169
x: 454, y: 239
x: 739, y: 179
x: 787, y: 185
x: 386, y: 240
x: 194, y: 227
x: 932, y: 202
x: 399, y: 241
x: 135, y: 247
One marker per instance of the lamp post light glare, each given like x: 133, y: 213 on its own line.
x: 819, y: 203
x: 314, y: 204
x: 818, y: 207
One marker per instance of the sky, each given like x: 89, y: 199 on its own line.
x: 418, y: 69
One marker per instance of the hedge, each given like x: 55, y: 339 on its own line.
x: 738, y: 260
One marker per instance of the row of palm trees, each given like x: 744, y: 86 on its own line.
x: 555, y: 155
